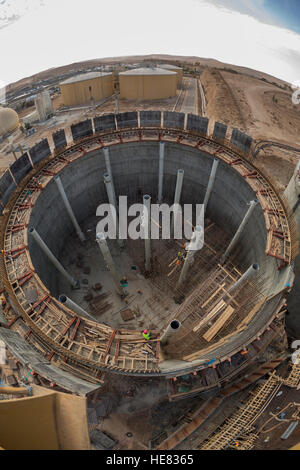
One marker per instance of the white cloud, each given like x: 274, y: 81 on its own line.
x: 67, y: 31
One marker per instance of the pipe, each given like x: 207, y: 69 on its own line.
x: 251, y: 271
x: 101, y: 240
x: 108, y: 169
x: 111, y: 199
x: 179, y: 182
x: 211, y: 182
x: 74, y: 307
x: 177, y: 196
x: 69, y: 208
x: 74, y: 283
x: 170, y: 332
x: 15, y: 391
x: 239, y: 231
x: 190, y: 255
x: 161, y: 171
x: 147, y: 232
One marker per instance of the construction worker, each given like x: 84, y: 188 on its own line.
x: 6, y: 256
x: 146, y: 335
x: 180, y: 257
x: 3, y: 300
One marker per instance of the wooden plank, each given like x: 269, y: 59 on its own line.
x: 117, y: 350
x: 72, y: 337
x: 110, y: 342
x: 210, y: 315
x: 211, y: 333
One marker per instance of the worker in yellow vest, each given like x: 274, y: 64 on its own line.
x: 146, y: 335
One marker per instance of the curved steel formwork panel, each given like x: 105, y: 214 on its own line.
x: 7, y: 187
x: 21, y: 167
x: 197, y: 124
x: 59, y: 139
x: 220, y: 131
x: 82, y: 129
x: 129, y: 119
x: 105, y: 123
x: 40, y: 151
x: 241, y: 141
x: 173, y: 120
x: 150, y: 118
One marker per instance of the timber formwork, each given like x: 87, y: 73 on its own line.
x: 241, y: 424
x: 77, y: 342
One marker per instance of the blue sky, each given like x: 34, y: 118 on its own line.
x: 39, y: 34
x: 284, y: 13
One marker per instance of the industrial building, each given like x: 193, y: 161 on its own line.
x: 148, y: 84
x: 174, y: 68
x: 43, y: 105
x: 86, y: 88
x: 9, y: 121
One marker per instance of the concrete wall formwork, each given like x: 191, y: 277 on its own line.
x: 104, y: 123
x: 150, y: 118
x: 241, y: 141
x: 129, y: 119
x: 40, y: 151
x: 220, y: 131
x: 197, y: 123
x: 84, y: 90
x: 173, y: 120
x: 59, y: 139
x: 148, y: 87
x: 82, y: 129
x: 7, y: 187
x: 21, y: 167
x: 135, y: 170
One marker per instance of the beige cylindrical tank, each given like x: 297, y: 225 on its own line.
x: 85, y: 88
x: 9, y: 120
x: 147, y: 84
x: 174, y: 68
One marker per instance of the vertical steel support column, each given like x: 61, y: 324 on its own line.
x: 179, y: 183
x: 239, y: 231
x: 108, y: 170
x: 74, y: 307
x: 161, y: 171
x: 196, y: 237
x: 111, y: 200
x: 101, y: 240
x: 170, y: 332
x: 74, y: 283
x: 69, y: 208
x: 251, y: 271
x: 210, y: 183
x: 147, y: 231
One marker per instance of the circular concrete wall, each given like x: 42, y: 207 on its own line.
x: 135, y: 172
